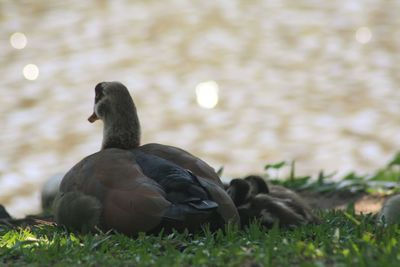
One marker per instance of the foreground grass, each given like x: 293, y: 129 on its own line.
x: 342, y: 239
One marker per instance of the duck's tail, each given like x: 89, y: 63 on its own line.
x: 77, y: 211
x: 181, y: 216
x: 3, y: 213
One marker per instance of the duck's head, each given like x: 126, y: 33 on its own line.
x: 257, y: 185
x: 112, y: 100
x: 239, y: 191
x: 114, y: 106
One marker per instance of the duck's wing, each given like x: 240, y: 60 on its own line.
x: 204, y: 173
x: 182, y: 188
x: 180, y: 185
x: 226, y: 207
x: 183, y: 159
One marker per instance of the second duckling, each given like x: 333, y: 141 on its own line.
x: 269, y: 204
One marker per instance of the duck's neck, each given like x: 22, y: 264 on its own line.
x: 121, y: 133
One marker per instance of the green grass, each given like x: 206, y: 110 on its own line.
x: 343, y: 239
x: 385, y: 181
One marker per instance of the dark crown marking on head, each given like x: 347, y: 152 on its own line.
x: 99, y: 90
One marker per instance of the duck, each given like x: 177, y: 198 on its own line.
x: 133, y: 188
x: 4, y: 213
x: 269, y: 204
x: 49, y: 192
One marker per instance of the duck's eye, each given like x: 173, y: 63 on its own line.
x: 97, y: 98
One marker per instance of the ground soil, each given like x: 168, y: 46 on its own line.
x: 363, y: 203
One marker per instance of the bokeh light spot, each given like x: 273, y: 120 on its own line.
x: 31, y: 72
x: 207, y: 94
x: 18, y: 40
x: 363, y: 35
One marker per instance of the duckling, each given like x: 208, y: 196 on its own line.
x: 273, y: 210
x: 390, y: 212
x: 240, y: 191
x: 134, y: 188
x: 269, y: 204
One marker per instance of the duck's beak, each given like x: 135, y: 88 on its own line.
x: 93, y: 118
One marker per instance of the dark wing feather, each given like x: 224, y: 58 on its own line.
x: 183, y: 159
x: 205, y: 174
x: 179, y: 184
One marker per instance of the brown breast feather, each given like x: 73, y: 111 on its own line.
x: 131, y: 201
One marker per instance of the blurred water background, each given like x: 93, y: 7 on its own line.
x: 238, y: 83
